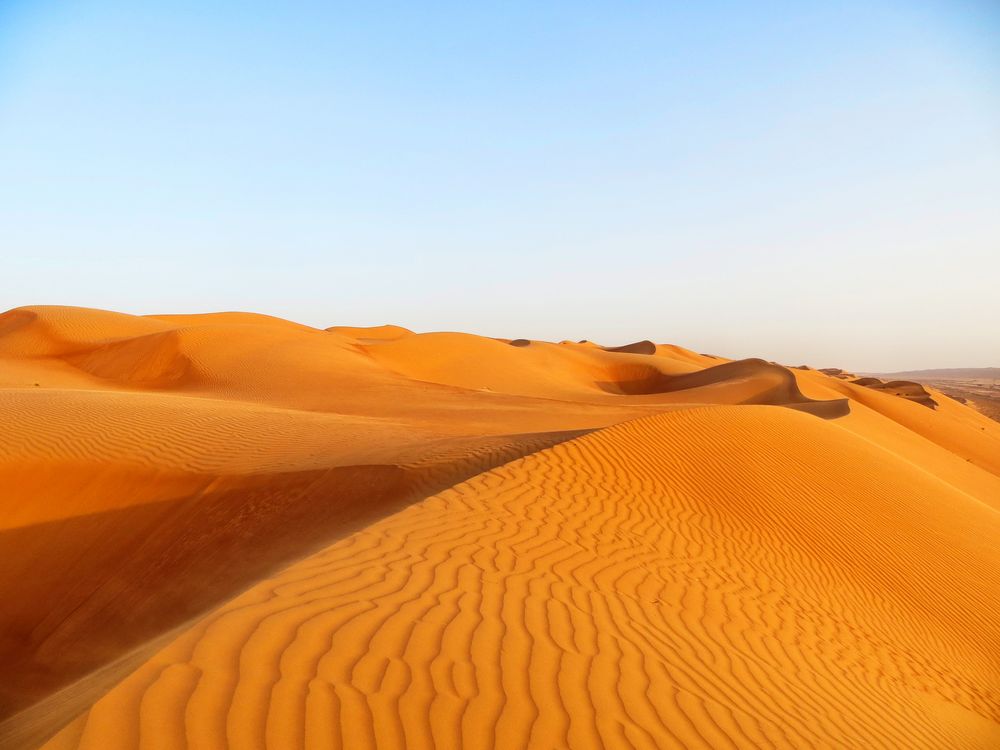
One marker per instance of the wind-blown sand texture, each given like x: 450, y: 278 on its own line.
x: 230, y: 530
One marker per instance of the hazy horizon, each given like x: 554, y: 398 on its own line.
x: 798, y: 182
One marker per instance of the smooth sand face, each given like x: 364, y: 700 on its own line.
x: 232, y: 530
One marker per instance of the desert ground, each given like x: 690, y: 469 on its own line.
x: 232, y: 530
x: 982, y: 394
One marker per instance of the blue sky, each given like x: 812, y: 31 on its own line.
x: 806, y: 182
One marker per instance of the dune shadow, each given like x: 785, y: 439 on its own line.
x: 637, y: 347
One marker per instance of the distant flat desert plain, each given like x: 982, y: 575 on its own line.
x: 230, y: 530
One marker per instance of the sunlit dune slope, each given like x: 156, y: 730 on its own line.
x: 152, y: 468
x: 714, y: 577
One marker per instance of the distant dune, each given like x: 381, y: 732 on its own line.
x: 954, y: 373
x: 230, y: 530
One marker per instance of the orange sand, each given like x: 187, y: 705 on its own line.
x: 230, y: 530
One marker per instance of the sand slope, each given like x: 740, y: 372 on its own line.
x: 646, y: 546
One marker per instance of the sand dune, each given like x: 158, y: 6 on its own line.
x: 672, y: 582
x: 446, y: 540
x: 907, y: 389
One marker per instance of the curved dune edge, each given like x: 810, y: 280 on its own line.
x: 710, y: 577
x: 637, y: 347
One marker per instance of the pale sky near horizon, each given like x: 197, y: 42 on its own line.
x: 808, y: 182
